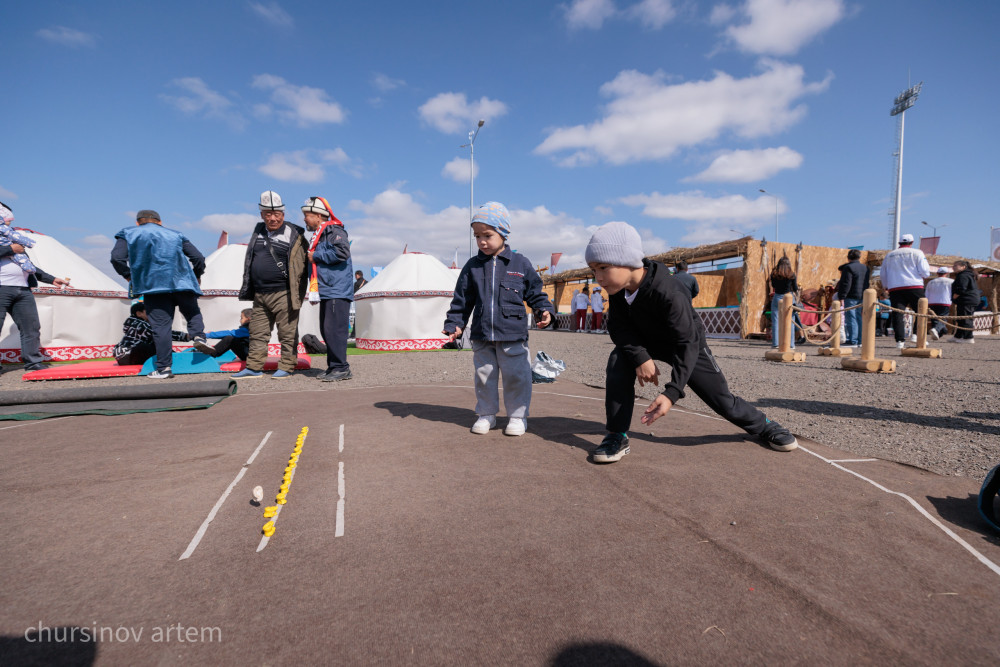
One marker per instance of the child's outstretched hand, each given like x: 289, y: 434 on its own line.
x: 647, y: 372
x: 656, y: 409
x: 452, y: 335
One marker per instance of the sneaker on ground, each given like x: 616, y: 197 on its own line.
x: 933, y: 334
x: 161, y: 375
x: 202, y: 345
x: 280, y: 374
x: 516, y: 426
x: 778, y: 438
x: 484, y: 424
x: 612, y: 448
x: 246, y: 373
x: 900, y: 344
x: 336, y: 376
x: 913, y: 338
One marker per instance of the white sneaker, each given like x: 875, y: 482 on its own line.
x: 484, y: 424
x: 516, y: 426
x: 900, y: 345
x: 913, y: 338
x: 933, y: 334
x: 165, y: 374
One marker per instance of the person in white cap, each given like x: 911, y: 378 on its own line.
x: 332, y: 283
x: 939, y: 301
x: 903, y: 273
x: 275, y: 276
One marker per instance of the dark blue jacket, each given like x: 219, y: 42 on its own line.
x: 494, y: 290
x: 854, y: 280
x: 157, y: 260
x: 332, y: 258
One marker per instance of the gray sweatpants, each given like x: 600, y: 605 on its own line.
x: 511, y: 359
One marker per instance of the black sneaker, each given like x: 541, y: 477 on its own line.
x: 778, y: 438
x: 37, y: 367
x: 202, y: 346
x: 612, y: 448
x: 336, y: 376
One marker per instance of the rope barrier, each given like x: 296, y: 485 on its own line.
x: 825, y: 312
x: 943, y: 318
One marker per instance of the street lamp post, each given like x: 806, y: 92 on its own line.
x: 775, y: 211
x: 934, y: 228
x: 472, y: 176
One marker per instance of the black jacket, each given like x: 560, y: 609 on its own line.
x: 298, y: 265
x: 33, y: 278
x: 689, y: 281
x: 854, y: 280
x: 660, y: 323
x: 966, y: 287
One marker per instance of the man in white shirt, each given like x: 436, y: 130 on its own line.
x: 16, y: 298
x: 597, y: 305
x: 903, y: 273
x: 939, y: 301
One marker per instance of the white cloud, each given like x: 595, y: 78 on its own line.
x: 722, y: 14
x: 782, y: 27
x: 452, y: 112
x: 589, y: 14
x: 713, y: 217
x: 749, y: 166
x: 306, y: 166
x: 7, y: 194
x: 239, y: 225
x: 393, y: 218
x: 458, y: 170
x: 302, y: 105
x: 273, y: 13
x: 203, y: 101
x: 604, y: 210
x: 653, y: 13
x: 649, y: 119
x: 68, y: 37
x: 385, y: 83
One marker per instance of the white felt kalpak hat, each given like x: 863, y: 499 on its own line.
x: 271, y: 201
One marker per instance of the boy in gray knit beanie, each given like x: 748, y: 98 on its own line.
x: 651, y: 317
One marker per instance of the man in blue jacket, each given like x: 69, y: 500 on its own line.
x: 165, y: 268
x: 333, y: 273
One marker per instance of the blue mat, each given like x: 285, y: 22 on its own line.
x: 191, y: 361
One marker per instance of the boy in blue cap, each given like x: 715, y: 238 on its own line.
x: 494, y: 286
x: 651, y: 317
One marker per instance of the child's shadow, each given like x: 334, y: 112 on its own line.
x: 568, y: 431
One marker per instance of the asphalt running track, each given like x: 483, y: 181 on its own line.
x: 406, y: 539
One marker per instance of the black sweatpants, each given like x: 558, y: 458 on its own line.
x: 160, y: 314
x: 239, y: 346
x: 334, y: 324
x: 903, y: 298
x: 965, y: 308
x: 706, y: 381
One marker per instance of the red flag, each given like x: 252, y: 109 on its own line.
x: 929, y: 244
x: 554, y: 260
x: 223, y: 239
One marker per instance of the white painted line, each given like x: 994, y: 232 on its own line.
x: 211, y: 515
x: 947, y: 531
x: 341, y: 437
x: 33, y: 422
x: 854, y: 460
x: 340, y: 503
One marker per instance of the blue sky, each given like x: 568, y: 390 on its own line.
x: 667, y: 114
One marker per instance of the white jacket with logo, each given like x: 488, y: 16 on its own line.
x: 904, y: 268
x: 939, y: 292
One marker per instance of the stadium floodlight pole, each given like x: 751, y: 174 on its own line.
x: 472, y: 175
x: 769, y: 194
x: 903, y: 101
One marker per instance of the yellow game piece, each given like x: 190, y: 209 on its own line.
x: 270, y: 511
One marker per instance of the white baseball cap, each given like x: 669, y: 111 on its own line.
x: 906, y: 238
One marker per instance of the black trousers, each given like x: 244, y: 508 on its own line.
x: 160, y: 313
x: 965, y: 310
x: 939, y: 325
x: 334, y: 324
x: 903, y: 298
x: 137, y: 355
x: 239, y: 346
x: 707, y: 382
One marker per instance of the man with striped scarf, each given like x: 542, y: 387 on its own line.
x: 331, y: 283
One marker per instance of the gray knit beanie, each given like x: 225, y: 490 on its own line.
x: 615, y: 243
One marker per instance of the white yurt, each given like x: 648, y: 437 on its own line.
x: 220, y: 287
x: 404, y: 306
x: 83, y: 321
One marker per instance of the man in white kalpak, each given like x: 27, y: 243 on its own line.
x: 903, y: 273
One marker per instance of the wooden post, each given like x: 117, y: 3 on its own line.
x: 920, y: 325
x: 868, y: 363
x: 835, y: 350
x: 785, y: 332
